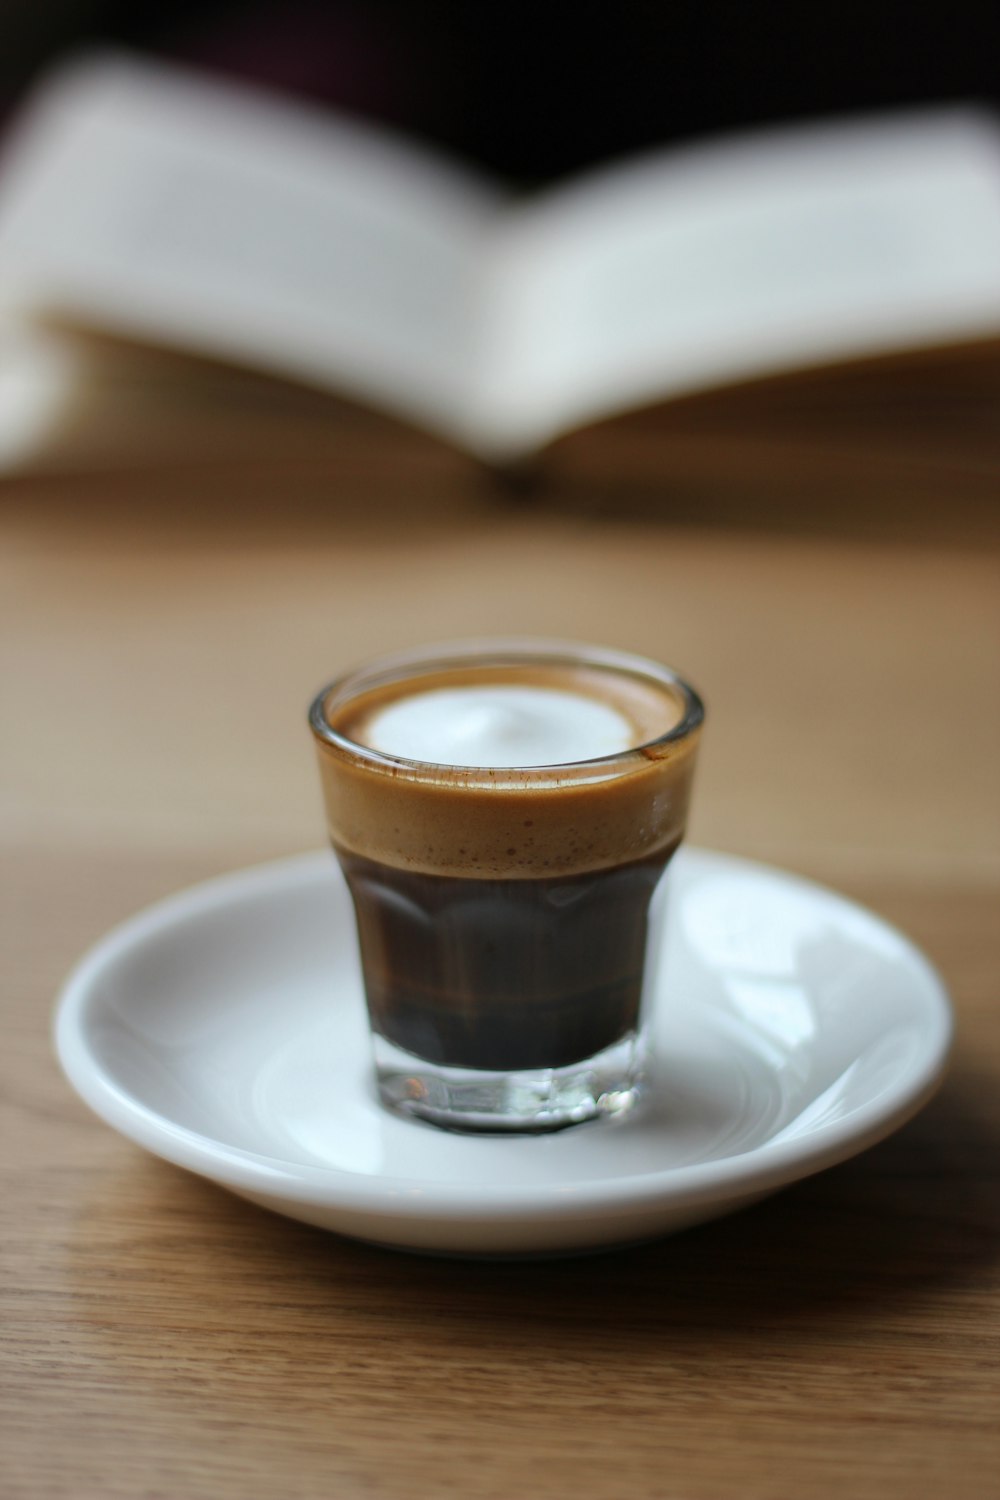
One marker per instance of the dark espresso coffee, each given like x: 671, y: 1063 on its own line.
x: 503, y: 823
x: 503, y: 974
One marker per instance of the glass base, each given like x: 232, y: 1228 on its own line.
x: 534, y: 1100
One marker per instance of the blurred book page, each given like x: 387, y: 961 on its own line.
x: 141, y: 201
x: 40, y: 378
x: 712, y: 264
x: 197, y: 215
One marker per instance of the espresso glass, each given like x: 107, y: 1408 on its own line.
x: 507, y: 917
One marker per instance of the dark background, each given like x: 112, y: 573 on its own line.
x: 532, y: 91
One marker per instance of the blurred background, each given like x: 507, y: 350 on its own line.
x: 531, y: 97
x: 819, y: 554
x: 529, y: 101
x: 794, y: 546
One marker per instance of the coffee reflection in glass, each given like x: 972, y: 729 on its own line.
x: 504, y: 812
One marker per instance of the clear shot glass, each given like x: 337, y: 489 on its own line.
x: 508, y: 917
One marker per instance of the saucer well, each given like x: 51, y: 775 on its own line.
x: 224, y: 1030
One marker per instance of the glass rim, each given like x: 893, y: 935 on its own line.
x: 498, y: 651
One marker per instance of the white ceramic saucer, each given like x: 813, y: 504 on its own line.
x: 224, y: 1030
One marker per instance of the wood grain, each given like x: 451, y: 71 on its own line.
x: 162, y: 633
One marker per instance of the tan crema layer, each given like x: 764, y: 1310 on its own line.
x: 511, y: 824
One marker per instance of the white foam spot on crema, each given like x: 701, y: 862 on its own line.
x: 499, y: 726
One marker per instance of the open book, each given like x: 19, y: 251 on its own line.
x: 186, y: 214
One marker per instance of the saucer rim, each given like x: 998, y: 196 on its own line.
x: 757, y: 1171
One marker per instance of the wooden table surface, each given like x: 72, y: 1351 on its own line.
x: 833, y: 588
